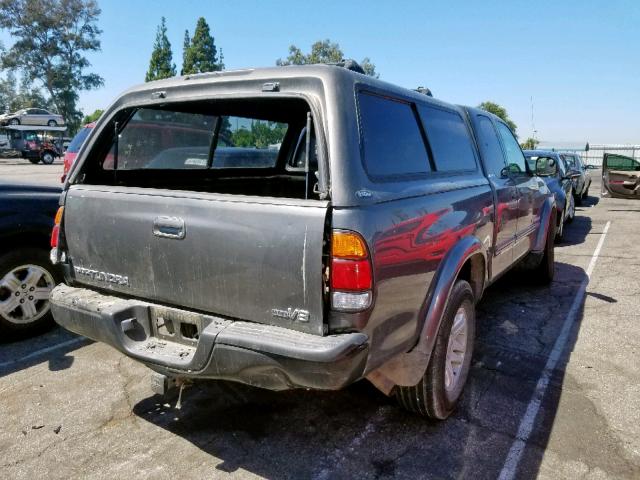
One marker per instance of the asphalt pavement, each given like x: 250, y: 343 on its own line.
x: 554, y: 392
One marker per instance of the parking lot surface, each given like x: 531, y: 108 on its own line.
x: 20, y: 170
x: 554, y: 392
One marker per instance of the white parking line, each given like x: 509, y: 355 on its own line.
x: 510, y: 466
x: 42, y: 351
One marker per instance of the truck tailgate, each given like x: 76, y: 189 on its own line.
x: 249, y: 258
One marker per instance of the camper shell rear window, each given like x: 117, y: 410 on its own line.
x: 248, y: 147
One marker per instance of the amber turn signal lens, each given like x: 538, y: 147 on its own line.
x: 348, y: 245
x: 58, y: 218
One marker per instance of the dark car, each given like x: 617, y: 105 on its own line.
x: 582, y: 181
x: 551, y: 167
x: 620, y: 176
x: 26, y: 274
x: 296, y: 227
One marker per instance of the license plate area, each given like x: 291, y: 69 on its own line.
x: 177, y: 326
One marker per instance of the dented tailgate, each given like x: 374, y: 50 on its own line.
x: 255, y: 259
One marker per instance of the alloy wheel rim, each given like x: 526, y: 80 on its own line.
x: 24, y: 294
x: 456, y: 350
x: 572, y: 206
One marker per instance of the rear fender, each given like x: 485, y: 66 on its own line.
x: 546, y: 214
x: 408, y: 368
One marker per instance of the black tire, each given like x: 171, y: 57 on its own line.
x: 578, y: 199
x: 48, y: 157
x: 430, y: 397
x: 10, y: 262
x: 34, y: 160
x: 52, y: 123
x: 559, y: 236
x: 543, y: 272
x: 14, y: 121
x: 585, y: 194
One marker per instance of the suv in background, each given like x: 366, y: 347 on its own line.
x: 582, y: 177
x: 296, y: 227
x: 620, y: 176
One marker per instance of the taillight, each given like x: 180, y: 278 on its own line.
x: 55, y: 236
x: 350, y: 275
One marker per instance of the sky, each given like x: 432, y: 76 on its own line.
x: 576, y: 62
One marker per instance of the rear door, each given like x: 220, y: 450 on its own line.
x: 620, y: 176
x: 169, y: 230
x: 528, y: 191
x: 506, y: 202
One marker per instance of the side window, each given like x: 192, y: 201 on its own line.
x: 391, y: 139
x: 620, y: 162
x: 515, y: 157
x: 449, y: 139
x: 490, y: 146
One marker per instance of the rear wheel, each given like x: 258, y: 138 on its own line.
x: 14, y: 121
x: 543, y: 272
x: 571, y: 209
x: 439, y: 390
x: 52, y: 123
x: 48, y: 157
x: 26, y: 279
x: 34, y: 160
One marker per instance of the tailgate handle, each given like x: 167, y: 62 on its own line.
x: 169, y: 227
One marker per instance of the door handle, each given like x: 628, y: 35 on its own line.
x: 169, y: 227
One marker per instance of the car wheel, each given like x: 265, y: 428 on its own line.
x: 14, y: 121
x: 560, y: 229
x: 544, y: 271
x: 48, y: 158
x: 585, y: 194
x: 26, y: 279
x: 571, y: 209
x: 52, y: 123
x: 34, y: 160
x: 438, y: 392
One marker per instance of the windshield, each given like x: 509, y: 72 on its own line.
x: 77, y: 141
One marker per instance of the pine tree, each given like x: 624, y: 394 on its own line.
x: 160, y: 65
x: 185, y: 48
x: 201, y: 55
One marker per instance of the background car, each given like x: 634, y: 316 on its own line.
x: 71, y: 152
x: 27, y: 276
x: 552, y: 169
x: 620, y: 176
x: 32, y: 116
x: 581, y: 184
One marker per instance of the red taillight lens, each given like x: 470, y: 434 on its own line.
x: 55, y: 233
x: 350, y: 275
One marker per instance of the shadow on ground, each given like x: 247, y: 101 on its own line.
x: 54, y: 346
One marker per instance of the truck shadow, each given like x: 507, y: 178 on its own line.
x: 360, y: 433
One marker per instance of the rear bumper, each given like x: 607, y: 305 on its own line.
x: 211, y: 347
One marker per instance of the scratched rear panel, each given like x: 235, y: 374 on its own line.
x: 251, y: 259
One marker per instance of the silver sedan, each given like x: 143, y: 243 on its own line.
x: 32, y: 116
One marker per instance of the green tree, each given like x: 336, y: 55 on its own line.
x: 499, y: 111
x: 185, y: 48
x: 93, y: 117
x: 323, y: 51
x: 161, y: 63
x: 530, y: 144
x: 51, y: 38
x: 200, y: 53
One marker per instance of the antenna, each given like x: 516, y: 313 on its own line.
x: 533, y: 125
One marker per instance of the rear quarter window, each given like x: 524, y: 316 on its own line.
x: 449, y: 139
x: 392, y: 142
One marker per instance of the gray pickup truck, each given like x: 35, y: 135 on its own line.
x: 350, y: 237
